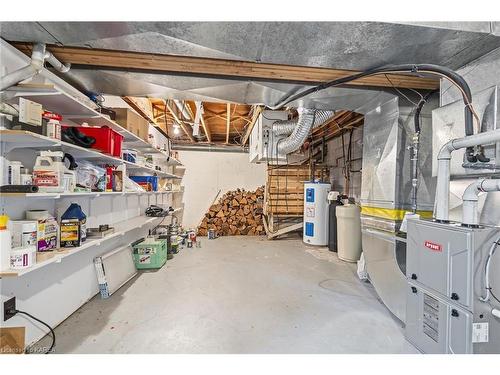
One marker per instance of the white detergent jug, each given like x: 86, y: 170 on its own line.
x: 48, y: 172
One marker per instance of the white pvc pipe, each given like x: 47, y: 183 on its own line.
x: 8, y: 110
x: 38, y: 56
x: 471, y: 196
x: 444, y: 158
x: 59, y: 66
x: 183, y: 109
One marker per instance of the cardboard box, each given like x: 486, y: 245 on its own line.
x: 157, y: 139
x: 132, y: 122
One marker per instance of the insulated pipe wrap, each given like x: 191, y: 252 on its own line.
x: 308, y: 119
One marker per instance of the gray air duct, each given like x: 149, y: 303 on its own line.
x: 308, y: 119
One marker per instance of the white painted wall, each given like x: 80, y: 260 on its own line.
x: 207, y: 172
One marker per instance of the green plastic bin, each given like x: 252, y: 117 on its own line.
x: 150, y: 253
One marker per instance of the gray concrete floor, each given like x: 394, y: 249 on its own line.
x: 239, y: 295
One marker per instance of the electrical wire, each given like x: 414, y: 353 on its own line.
x: 46, y: 325
x: 486, y: 274
x: 440, y: 71
x: 401, y: 93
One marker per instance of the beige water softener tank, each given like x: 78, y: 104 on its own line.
x: 348, y: 232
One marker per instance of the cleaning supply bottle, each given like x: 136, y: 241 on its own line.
x: 5, y: 243
x: 73, y: 226
x: 48, y: 172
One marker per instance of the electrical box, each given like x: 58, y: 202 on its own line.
x: 445, y: 269
x: 263, y: 141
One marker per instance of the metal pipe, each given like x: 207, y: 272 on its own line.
x: 210, y: 148
x: 470, y: 198
x: 415, y: 151
x: 444, y: 159
x: 182, y: 109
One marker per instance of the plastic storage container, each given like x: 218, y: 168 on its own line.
x: 106, y: 139
x: 348, y: 232
x: 150, y: 253
x: 149, y: 183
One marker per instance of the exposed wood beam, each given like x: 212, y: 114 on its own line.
x: 221, y: 68
x: 206, y: 129
x: 228, y: 121
x: 256, y: 113
x: 139, y: 107
x: 222, y: 117
x: 181, y: 124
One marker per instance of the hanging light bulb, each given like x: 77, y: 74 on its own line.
x: 176, y: 129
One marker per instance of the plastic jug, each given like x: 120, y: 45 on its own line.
x: 48, y: 172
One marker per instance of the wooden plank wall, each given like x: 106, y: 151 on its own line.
x: 285, y: 189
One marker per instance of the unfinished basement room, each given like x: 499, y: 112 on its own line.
x: 268, y: 187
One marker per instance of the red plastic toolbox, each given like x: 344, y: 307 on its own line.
x: 106, y: 139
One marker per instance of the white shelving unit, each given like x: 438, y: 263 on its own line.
x: 76, y: 112
x: 59, y: 283
x: 14, y: 139
x: 82, y: 194
x: 121, y: 228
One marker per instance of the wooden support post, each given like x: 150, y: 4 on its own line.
x: 256, y: 112
x: 228, y: 121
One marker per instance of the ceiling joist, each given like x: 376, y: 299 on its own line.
x: 221, y: 68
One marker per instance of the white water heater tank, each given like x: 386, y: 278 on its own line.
x: 316, y: 213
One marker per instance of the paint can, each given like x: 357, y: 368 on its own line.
x: 211, y: 234
x: 37, y: 214
x: 24, y: 232
x: 22, y: 257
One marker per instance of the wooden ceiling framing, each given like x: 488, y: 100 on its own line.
x: 220, y: 123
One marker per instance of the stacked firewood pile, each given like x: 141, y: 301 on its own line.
x: 237, y: 212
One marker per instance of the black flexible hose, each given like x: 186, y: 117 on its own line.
x: 421, y: 104
x: 410, y: 68
x: 46, y: 325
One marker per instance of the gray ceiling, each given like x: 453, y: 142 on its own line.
x: 346, y: 45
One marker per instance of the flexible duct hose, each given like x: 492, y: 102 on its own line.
x: 308, y: 118
x: 286, y: 127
